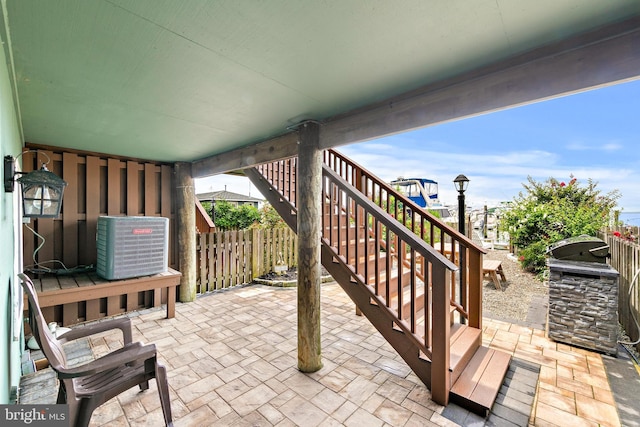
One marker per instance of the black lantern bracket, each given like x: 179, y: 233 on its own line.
x: 9, y: 173
x: 42, y: 190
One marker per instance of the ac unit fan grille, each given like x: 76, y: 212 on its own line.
x: 131, y: 246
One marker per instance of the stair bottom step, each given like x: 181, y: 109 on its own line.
x: 477, y: 387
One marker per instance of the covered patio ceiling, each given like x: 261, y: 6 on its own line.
x: 197, y: 80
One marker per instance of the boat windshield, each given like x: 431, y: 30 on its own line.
x: 431, y: 189
x: 411, y: 189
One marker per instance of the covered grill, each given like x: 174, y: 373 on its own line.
x: 580, y: 248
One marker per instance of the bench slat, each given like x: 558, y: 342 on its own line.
x: 70, y: 290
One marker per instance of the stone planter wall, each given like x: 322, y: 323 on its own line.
x: 583, y: 305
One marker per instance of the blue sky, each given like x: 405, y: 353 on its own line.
x: 593, y: 134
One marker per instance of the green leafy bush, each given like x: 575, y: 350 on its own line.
x: 553, y: 210
x: 229, y: 217
x: 269, y: 218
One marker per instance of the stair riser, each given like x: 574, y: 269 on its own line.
x: 480, y: 383
x: 466, y: 355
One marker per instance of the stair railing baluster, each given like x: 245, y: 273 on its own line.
x: 377, y: 237
x: 413, y: 290
x: 399, y: 267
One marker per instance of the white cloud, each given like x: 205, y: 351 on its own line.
x: 607, y: 146
x: 493, y: 178
x: 612, y: 146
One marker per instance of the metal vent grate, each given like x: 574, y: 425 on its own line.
x: 131, y: 246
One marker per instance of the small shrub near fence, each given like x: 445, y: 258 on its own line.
x: 625, y: 258
x: 231, y: 258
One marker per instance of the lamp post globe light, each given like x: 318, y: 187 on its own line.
x: 461, y: 182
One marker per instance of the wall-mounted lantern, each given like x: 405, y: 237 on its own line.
x: 42, y: 190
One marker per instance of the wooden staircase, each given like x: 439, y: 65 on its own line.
x: 417, y: 280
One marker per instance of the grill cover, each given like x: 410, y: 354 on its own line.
x: 580, y: 248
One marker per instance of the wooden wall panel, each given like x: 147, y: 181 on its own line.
x: 92, y: 208
x: 97, y: 185
x: 150, y: 190
x: 70, y: 209
x: 113, y: 187
x: 133, y: 207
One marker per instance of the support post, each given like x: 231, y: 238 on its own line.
x: 441, y: 353
x: 309, y: 224
x: 186, y: 229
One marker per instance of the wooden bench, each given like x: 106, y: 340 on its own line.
x: 68, y: 291
x: 493, y: 268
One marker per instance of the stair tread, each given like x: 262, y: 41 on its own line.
x: 482, y: 378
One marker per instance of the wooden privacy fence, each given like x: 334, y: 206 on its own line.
x: 98, y: 184
x: 231, y: 258
x: 625, y: 258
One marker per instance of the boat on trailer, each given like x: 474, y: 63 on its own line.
x: 424, y: 193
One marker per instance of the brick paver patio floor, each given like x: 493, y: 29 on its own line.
x: 231, y: 361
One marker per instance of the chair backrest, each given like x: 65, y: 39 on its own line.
x: 49, y: 345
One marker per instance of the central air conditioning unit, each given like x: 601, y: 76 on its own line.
x: 131, y: 246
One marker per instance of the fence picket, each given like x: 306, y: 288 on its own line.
x: 211, y: 259
x: 202, y: 257
x: 625, y: 258
x: 233, y: 264
x: 232, y: 258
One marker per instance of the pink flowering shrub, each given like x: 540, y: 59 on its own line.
x: 551, y: 211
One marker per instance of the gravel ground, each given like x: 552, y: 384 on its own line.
x: 513, y: 301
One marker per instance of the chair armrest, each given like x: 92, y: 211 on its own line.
x: 124, y: 324
x: 133, y: 353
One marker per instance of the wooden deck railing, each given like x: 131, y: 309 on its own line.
x: 204, y: 223
x: 355, y: 219
x: 467, y: 295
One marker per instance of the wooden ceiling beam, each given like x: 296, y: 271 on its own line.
x: 280, y: 147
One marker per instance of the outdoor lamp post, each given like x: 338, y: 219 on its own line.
x: 41, y: 190
x: 461, y: 182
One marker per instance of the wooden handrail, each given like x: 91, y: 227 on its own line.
x: 348, y: 199
x: 462, y: 250
x: 371, y: 208
x: 402, y: 235
x: 204, y: 224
